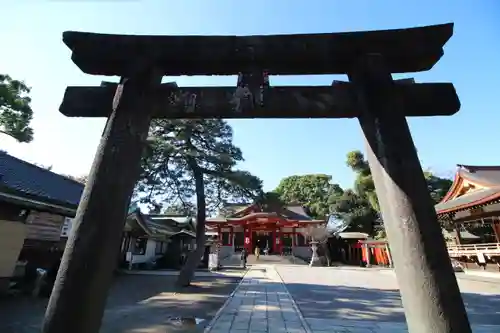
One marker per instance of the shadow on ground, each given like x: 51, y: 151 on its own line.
x: 354, y: 303
x: 135, y: 304
x: 145, y: 303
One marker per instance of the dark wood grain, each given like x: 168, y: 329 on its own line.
x: 337, y: 101
x: 406, y: 50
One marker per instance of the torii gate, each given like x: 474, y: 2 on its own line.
x: 428, y: 286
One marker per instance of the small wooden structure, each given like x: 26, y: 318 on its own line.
x: 147, y: 238
x: 375, y: 252
x: 357, y: 249
x: 34, y: 202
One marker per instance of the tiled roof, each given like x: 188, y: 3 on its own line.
x: 467, y: 199
x: 160, y: 225
x: 25, y: 178
x: 485, y: 175
x: 296, y: 213
x: 170, y: 218
x: 292, y: 212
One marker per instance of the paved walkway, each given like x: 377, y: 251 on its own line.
x: 332, y: 301
x: 261, y: 303
x: 235, y: 261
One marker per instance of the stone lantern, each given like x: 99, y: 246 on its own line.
x: 315, y: 260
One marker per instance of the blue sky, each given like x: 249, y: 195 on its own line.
x: 32, y: 50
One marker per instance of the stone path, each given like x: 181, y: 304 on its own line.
x: 275, y: 260
x: 261, y: 303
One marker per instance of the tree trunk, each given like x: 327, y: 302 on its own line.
x: 187, y: 272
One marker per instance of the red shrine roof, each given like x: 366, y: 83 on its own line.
x: 473, y: 187
x: 249, y: 212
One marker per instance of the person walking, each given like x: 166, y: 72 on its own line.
x: 243, y: 257
x: 257, y: 252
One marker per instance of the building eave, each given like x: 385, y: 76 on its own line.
x: 37, y: 204
x: 476, y: 200
x: 454, y: 188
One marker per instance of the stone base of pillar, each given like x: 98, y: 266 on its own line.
x: 315, y: 262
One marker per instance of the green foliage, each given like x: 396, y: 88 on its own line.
x: 359, y: 208
x: 363, y: 184
x: 355, y: 211
x: 271, y: 202
x: 175, y: 148
x: 190, y: 161
x: 438, y: 187
x: 15, y: 110
x: 179, y: 209
x: 312, y: 191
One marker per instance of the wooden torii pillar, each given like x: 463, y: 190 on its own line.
x: 428, y: 286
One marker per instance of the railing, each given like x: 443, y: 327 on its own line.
x: 474, y: 249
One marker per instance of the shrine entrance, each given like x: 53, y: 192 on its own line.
x: 430, y: 293
x: 264, y: 240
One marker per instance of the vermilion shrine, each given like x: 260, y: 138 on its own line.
x: 429, y: 290
x: 251, y: 226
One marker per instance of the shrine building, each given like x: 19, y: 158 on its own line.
x: 473, y: 201
x: 473, y: 197
x: 280, y: 230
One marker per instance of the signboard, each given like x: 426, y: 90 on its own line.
x: 213, y: 261
x: 66, y: 228
x: 480, y: 258
x: 247, y: 240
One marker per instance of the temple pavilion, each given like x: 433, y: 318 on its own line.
x: 279, y: 229
x: 474, y: 196
x: 474, y: 199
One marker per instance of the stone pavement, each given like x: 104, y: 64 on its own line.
x: 288, y: 299
x: 275, y: 260
x: 260, y: 303
x: 235, y: 261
